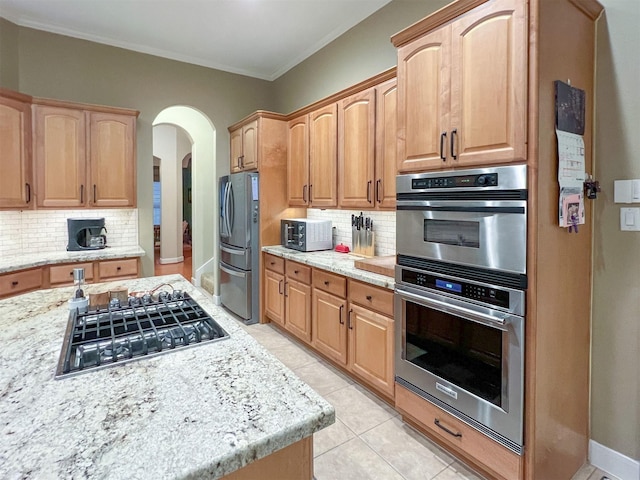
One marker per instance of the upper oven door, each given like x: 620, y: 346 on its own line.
x: 485, y: 234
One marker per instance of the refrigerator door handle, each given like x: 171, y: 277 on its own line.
x: 223, y: 214
x: 233, y: 251
x: 227, y: 211
x: 232, y: 213
x: 233, y: 272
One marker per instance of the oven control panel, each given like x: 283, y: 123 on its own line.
x: 473, y: 291
x: 480, y: 180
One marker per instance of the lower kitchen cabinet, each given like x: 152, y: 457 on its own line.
x: 20, y: 282
x: 329, y: 314
x: 371, y: 348
x: 274, y: 295
x: 298, y: 308
x: 124, y: 268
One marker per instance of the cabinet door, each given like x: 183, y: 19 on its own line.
x: 15, y: 154
x: 323, y: 164
x: 423, y: 101
x: 298, y: 309
x: 386, y: 144
x: 298, y: 162
x: 274, y: 296
x: 489, y: 81
x: 19, y: 282
x: 371, y: 348
x: 329, y: 325
x: 60, y: 156
x: 250, y: 146
x: 112, y: 160
x: 236, y: 150
x: 356, y: 150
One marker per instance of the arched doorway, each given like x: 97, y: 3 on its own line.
x: 203, y: 227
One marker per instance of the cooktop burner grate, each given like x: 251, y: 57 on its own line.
x: 116, y: 334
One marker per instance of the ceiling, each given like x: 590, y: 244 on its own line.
x: 257, y: 38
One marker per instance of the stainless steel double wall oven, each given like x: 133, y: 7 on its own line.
x: 460, y: 294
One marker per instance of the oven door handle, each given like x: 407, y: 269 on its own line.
x: 498, y: 321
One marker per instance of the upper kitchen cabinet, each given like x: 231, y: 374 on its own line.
x: 112, y: 164
x: 323, y: 162
x: 386, y: 144
x: 462, y: 89
x: 244, y: 147
x: 15, y: 147
x: 298, y: 161
x: 84, y: 158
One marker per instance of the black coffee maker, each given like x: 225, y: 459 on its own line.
x: 86, y: 234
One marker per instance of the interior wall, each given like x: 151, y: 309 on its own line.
x: 60, y: 67
x: 615, y: 393
x: 8, y: 55
x: 360, y: 53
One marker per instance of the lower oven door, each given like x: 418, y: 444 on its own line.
x: 465, y: 358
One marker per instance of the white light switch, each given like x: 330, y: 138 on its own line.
x: 630, y: 219
x: 626, y: 191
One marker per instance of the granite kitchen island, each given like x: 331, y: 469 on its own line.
x: 198, y: 412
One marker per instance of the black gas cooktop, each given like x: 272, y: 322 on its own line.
x: 145, y: 326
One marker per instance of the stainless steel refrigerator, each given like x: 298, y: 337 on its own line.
x: 239, y: 246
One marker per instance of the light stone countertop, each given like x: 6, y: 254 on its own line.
x: 31, y: 260
x: 341, y: 263
x: 197, y: 412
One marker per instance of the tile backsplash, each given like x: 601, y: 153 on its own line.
x: 384, y: 226
x: 42, y: 231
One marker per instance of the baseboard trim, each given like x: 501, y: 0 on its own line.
x: 613, y: 462
x: 165, y: 261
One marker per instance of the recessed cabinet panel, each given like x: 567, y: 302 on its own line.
x: 60, y: 156
x: 298, y: 161
x: 323, y: 131
x: 329, y: 325
x: 386, y: 144
x: 298, y: 309
x: 15, y: 154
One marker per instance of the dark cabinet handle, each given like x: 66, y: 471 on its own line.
x: 81, y: 193
x: 443, y: 137
x: 454, y: 135
x: 326, y: 282
x: 349, y: 320
x: 378, y: 183
x: 341, y: 310
x: 296, y: 272
x: 369, y: 191
x: 14, y: 283
x: 285, y: 289
x: 280, y: 291
x: 94, y: 193
x: 369, y: 297
x: 28, y: 192
x: 310, y: 195
x: 439, y: 425
x: 241, y: 161
x: 272, y: 263
x: 304, y: 194
x: 118, y: 268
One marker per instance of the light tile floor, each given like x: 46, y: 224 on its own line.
x: 369, y: 440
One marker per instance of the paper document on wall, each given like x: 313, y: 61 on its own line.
x: 571, y: 177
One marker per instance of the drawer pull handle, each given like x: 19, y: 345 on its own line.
x: 118, y: 268
x: 349, y: 320
x: 326, y: 282
x: 450, y: 432
x: 295, y: 271
x: 341, y: 310
x: 280, y: 289
x: 14, y: 283
x: 369, y: 297
x: 272, y: 263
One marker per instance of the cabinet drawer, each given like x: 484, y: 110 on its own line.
x: 274, y: 263
x: 119, y: 268
x: 501, y: 462
x: 18, y: 282
x: 300, y: 272
x: 373, y: 298
x: 330, y: 283
x: 61, y: 274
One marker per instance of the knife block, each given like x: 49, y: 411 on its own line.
x: 363, y: 243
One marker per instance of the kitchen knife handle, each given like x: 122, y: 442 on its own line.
x: 28, y: 192
x: 443, y: 137
x: 369, y: 191
x: 454, y: 135
x: 341, y: 311
x: 304, y: 193
x: 378, y: 182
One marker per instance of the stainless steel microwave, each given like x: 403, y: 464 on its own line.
x: 306, y: 235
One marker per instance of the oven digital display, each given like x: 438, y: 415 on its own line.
x: 454, y: 287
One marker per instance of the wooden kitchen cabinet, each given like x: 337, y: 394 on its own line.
x: 63, y: 274
x: 274, y: 296
x: 462, y: 90
x: 386, y: 167
x: 244, y: 147
x: 323, y: 161
x: 16, y: 181
x: 123, y: 268
x: 298, y: 161
x: 112, y: 164
x: 60, y: 156
x: 20, y: 282
x: 371, y: 335
x: 329, y: 315
x: 84, y: 158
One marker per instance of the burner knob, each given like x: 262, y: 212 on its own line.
x: 114, y: 303
x: 147, y: 298
x: 163, y: 296
x: 177, y: 295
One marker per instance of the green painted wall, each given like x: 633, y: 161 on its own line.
x: 8, y: 54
